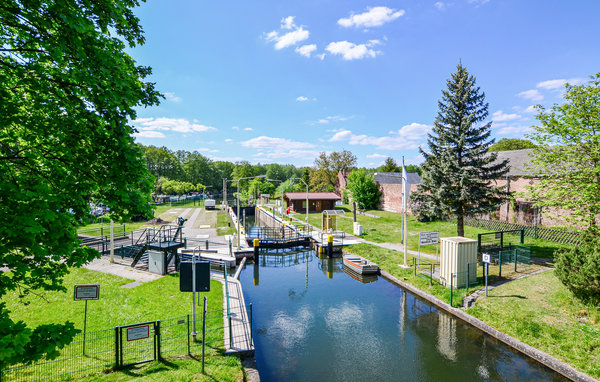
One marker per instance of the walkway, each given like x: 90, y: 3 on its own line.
x: 237, y: 334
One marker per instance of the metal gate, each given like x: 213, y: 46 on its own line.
x: 137, y: 343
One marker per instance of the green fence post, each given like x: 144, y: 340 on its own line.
x: 157, y: 339
x: 522, y: 235
x: 116, y: 347
x: 188, y: 334
x: 451, y: 287
x: 468, y: 277
x: 500, y: 264
x: 515, y: 259
x: 535, y: 231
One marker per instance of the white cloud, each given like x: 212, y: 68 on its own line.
x: 306, y: 50
x: 407, y: 137
x: 301, y: 99
x: 172, y: 97
x: 373, y: 17
x: 206, y: 150
x: 376, y: 156
x: 264, y: 142
x: 351, y: 51
x: 530, y: 109
x: 513, y: 131
x: 333, y: 118
x: 500, y: 116
x: 296, y: 34
x: 248, y: 129
x: 440, y: 6
x: 235, y: 128
x: 228, y: 140
x: 533, y: 95
x: 180, y: 125
x: 287, y: 22
x: 478, y: 2
x: 320, y: 56
x: 559, y: 84
x: 149, y: 134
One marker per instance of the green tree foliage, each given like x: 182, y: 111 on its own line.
x: 162, y: 162
x: 458, y: 172
x: 567, y: 159
x: 508, y: 144
x: 389, y: 165
x: 363, y: 189
x: 578, y: 268
x: 67, y: 91
x: 326, y: 168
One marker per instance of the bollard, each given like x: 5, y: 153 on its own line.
x: 330, y: 246
x: 256, y: 242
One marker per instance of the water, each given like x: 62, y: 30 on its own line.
x: 313, y: 322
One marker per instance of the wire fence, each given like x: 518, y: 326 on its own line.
x: 122, y: 346
x: 536, y: 232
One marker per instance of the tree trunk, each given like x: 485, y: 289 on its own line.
x: 460, y: 225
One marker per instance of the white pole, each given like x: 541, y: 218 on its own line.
x: 238, y: 215
x: 306, y: 201
x: 112, y: 242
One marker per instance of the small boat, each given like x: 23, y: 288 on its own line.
x: 359, y: 265
x: 365, y: 279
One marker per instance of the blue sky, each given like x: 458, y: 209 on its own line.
x: 281, y: 81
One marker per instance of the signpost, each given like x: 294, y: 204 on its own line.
x: 486, y: 261
x: 429, y: 238
x: 86, y: 292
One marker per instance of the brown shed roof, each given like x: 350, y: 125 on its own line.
x: 311, y: 196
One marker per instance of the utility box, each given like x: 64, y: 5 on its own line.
x: 358, y: 229
x: 157, y: 262
x: 455, y: 254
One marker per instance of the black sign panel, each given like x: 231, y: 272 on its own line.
x: 202, y: 276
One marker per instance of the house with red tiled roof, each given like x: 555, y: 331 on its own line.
x: 317, y: 201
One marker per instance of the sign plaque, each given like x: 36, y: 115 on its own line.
x: 87, y: 292
x: 138, y: 333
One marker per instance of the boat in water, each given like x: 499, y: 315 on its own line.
x: 359, y: 265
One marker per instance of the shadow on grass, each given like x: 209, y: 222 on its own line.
x: 145, y: 370
x: 510, y: 296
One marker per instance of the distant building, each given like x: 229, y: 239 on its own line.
x: 390, y: 186
x: 318, y: 201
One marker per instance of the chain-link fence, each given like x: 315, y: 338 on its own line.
x: 119, y: 347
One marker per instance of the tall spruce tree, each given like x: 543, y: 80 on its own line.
x: 458, y: 171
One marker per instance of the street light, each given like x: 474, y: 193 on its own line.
x: 292, y: 182
x: 277, y: 180
x: 238, y: 204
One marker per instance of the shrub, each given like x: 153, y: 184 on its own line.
x: 578, y: 268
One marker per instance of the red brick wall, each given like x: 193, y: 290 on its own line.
x: 391, y: 197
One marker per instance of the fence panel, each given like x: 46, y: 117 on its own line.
x: 137, y: 343
x: 536, y: 232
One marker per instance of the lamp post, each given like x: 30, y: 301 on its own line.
x: 238, y: 204
x: 302, y: 180
x: 277, y: 180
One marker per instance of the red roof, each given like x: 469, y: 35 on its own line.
x: 311, y: 196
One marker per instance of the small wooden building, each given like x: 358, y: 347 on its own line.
x: 317, y: 201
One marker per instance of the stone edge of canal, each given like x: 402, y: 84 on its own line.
x: 545, y: 359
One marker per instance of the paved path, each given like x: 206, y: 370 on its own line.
x: 120, y: 268
x: 241, y: 332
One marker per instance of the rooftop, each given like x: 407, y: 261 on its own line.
x: 311, y: 196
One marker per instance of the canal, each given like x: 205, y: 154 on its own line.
x: 314, y: 322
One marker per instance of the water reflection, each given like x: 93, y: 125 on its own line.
x: 314, y: 322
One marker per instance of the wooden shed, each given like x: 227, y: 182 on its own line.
x: 317, y: 201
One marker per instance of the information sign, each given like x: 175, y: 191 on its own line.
x: 485, y: 258
x: 202, y: 276
x: 429, y: 238
x: 138, y: 333
x: 87, y: 292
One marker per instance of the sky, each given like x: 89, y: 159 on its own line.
x: 281, y: 81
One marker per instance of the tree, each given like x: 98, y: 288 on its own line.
x: 567, y: 158
x: 327, y: 167
x: 389, y: 165
x: 67, y: 91
x: 363, y: 189
x: 458, y: 172
x: 508, y: 144
x: 578, y: 267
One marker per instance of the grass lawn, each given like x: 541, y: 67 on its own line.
x: 224, y: 224
x: 159, y: 299
x: 389, y: 260
x: 388, y: 229
x: 540, y: 311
